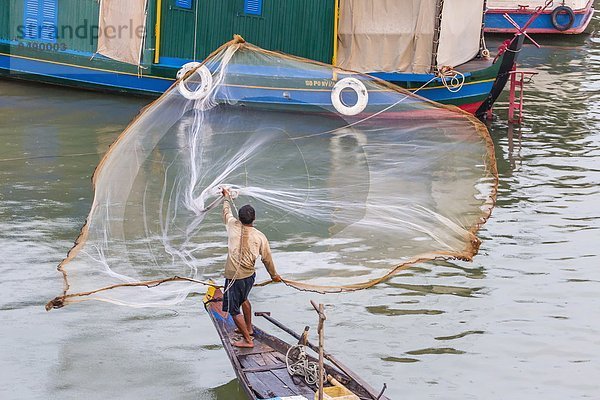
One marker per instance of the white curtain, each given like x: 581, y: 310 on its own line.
x: 460, y: 36
x: 122, y: 27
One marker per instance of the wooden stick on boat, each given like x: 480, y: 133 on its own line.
x: 374, y: 394
x: 304, y: 337
x: 321, y: 311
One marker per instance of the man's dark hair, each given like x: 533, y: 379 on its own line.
x: 247, y: 214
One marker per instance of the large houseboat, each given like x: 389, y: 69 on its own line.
x: 431, y: 47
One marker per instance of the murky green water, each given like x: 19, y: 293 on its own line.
x: 519, y: 322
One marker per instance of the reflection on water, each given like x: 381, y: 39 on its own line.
x: 438, y: 289
x: 391, y: 312
x: 517, y: 322
x: 460, y: 335
x: 437, y: 350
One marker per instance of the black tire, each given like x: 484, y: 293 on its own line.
x: 563, y: 10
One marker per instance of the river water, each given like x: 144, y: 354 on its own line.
x: 519, y: 322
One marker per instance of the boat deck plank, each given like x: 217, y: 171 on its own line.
x: 271, y: 359
x: 265, y: 368
x: 258, y: 360
x: 475, y: 64
x: 302, y: 390
x: 259, y: 348
x: 248, y: 362
x: 268, y: 380
x: 262, y: 390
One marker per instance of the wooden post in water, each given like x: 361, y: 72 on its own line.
x: 320, y: 309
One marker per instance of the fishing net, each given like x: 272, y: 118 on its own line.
x: 352, y: 180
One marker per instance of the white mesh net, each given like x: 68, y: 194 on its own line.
x: 352, y: 180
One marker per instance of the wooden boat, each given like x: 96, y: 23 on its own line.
x: 262, y: 371
x: 566, y: 17
x: 80, y: 43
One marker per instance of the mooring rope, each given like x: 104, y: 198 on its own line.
x: 452, y: 79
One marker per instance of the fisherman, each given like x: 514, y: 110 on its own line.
x: 245, y: 244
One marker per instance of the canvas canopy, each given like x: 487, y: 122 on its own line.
x: 401, y: 35
x: 122, y: 26
x: 460, y: 33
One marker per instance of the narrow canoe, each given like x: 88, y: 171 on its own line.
x: 262, y: 370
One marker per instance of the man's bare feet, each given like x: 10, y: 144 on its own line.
x: 242, y: 343
x: 236, y: 330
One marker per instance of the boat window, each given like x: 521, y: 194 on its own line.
x: 40, y: 20
x: 253, y: 7
x: 187, y: 4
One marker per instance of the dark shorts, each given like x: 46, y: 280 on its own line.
x: 236, y: 294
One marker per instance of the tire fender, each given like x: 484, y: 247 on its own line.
x: 563, y: 10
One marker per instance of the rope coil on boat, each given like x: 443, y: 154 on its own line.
x: 361, y: 92
x: 206, y: 81
x: 297, y: 363
x: 452, y: 79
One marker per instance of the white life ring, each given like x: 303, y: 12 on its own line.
x: 361, y: 93
x: 185, y: 68
x: 206, y: 81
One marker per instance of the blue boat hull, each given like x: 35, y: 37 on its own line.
x: 77, y: 70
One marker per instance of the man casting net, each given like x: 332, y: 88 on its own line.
x: 352, y: 180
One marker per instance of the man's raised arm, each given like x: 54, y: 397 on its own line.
x: 227, y: 214
x: 267, y: 259
x: 228, y: 217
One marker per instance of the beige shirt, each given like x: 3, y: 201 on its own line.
x: 251, y: 241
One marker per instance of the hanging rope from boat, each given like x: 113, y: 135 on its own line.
x: 483, y: 50
x: 452, y: 79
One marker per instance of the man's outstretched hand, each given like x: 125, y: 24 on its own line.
x: 277, y: 278
x: 225, y: 193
